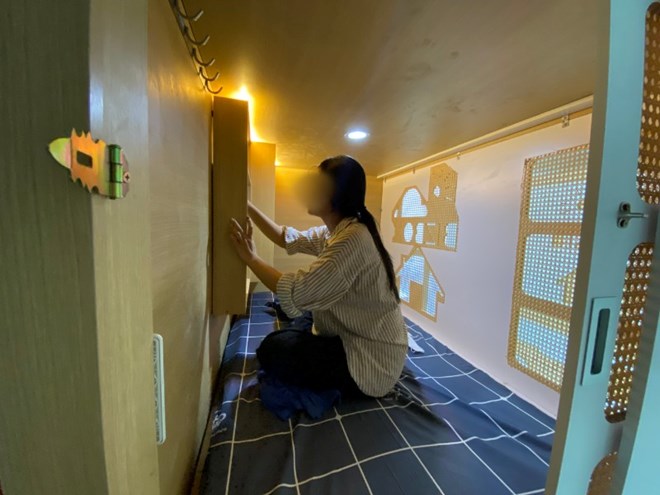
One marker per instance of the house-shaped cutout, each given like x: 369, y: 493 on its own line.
x: 418, y: 285
x: 431, y: 222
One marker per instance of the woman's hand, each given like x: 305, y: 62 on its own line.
x: 242, y: 240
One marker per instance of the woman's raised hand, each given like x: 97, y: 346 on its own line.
x: 242, y: 239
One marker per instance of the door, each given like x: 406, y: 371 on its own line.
x: 605, y: 359
x: 231, y: 135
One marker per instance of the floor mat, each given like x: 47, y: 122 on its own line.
x: 446, y: 428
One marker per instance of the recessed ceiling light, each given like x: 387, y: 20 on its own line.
x: 357, y: 135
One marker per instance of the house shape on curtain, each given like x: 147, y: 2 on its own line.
x: 431, y: 222
x: 419, y: 287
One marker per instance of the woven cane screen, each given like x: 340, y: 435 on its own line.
x: 601, y: 478
x: 548, y: 246
x: 648, y: 165
x: 626, y: 348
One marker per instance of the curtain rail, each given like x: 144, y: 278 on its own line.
x: 558, y: 115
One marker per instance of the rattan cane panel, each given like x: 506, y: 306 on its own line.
x: 626, y: 348
x: 557, y: 186
x: 541, y: 345
x: 648, y: 163
x: 601, y: 478
x: 549, y: 267
x: 548, y: 247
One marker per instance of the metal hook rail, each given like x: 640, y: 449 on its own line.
x: 185, y: 21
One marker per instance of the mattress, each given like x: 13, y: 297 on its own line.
x: 447, y: 427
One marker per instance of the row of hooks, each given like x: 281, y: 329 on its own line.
x: 184, y: 20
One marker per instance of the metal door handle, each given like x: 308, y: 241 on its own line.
x: 625, y: 215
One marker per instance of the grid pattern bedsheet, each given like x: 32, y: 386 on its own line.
x: 447, y: 428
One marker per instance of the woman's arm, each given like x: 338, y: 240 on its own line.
x: 327, y: 280
x: 266, y: 225
x: 268, y: 275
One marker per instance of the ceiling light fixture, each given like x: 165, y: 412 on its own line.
x: 357, y: 135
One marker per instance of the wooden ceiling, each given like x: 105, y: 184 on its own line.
x: 419, y: 75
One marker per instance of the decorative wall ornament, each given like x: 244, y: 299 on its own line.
x: 430, y: 222
x: 425, y: 222
x: 418, y: 285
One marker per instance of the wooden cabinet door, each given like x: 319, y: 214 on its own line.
x: 231, y: 131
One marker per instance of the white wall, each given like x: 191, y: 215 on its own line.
x: 478, y: 277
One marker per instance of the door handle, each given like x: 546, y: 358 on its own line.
x: 602, y: 327
x: 626, y: 214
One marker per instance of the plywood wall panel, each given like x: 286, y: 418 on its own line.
x: 50, y: 412
x: 262, y: 194
x: 77, y: 413
x: 122, y: 268
x: 179, y: 177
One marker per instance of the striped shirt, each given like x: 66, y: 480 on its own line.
x: 347, y: 290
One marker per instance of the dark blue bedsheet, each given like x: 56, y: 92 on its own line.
x: 447, y: 428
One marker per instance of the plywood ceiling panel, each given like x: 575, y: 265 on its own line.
x: 421, y: 75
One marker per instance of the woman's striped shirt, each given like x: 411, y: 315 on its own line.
x: 348, y: 292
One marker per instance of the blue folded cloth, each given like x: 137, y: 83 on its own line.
x: 278, y: 311
x: 304, y: 321
x: 286, y: 400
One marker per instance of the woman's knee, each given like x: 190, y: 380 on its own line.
x: 265, y: 350
x: 273, y: 348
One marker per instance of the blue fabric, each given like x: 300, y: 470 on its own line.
x: 447, y: 427
x: 286, y: 400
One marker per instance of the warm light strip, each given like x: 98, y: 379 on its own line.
x: 572, y: 110
x: 244, y: 94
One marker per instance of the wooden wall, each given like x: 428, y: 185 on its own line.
x: 118, y: 78
x: 77, y: 413
x: 262, y: 194
x: 85, y: 281
x: 179, y: 127
x: 51, y: 405
x: 289, y: 211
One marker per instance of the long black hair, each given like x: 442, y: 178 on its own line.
x: 350, y: 185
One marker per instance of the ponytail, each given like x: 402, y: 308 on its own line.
x: 365, y: 217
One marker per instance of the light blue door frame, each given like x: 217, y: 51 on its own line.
x: 637, y: 469
x: 584, y: 436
